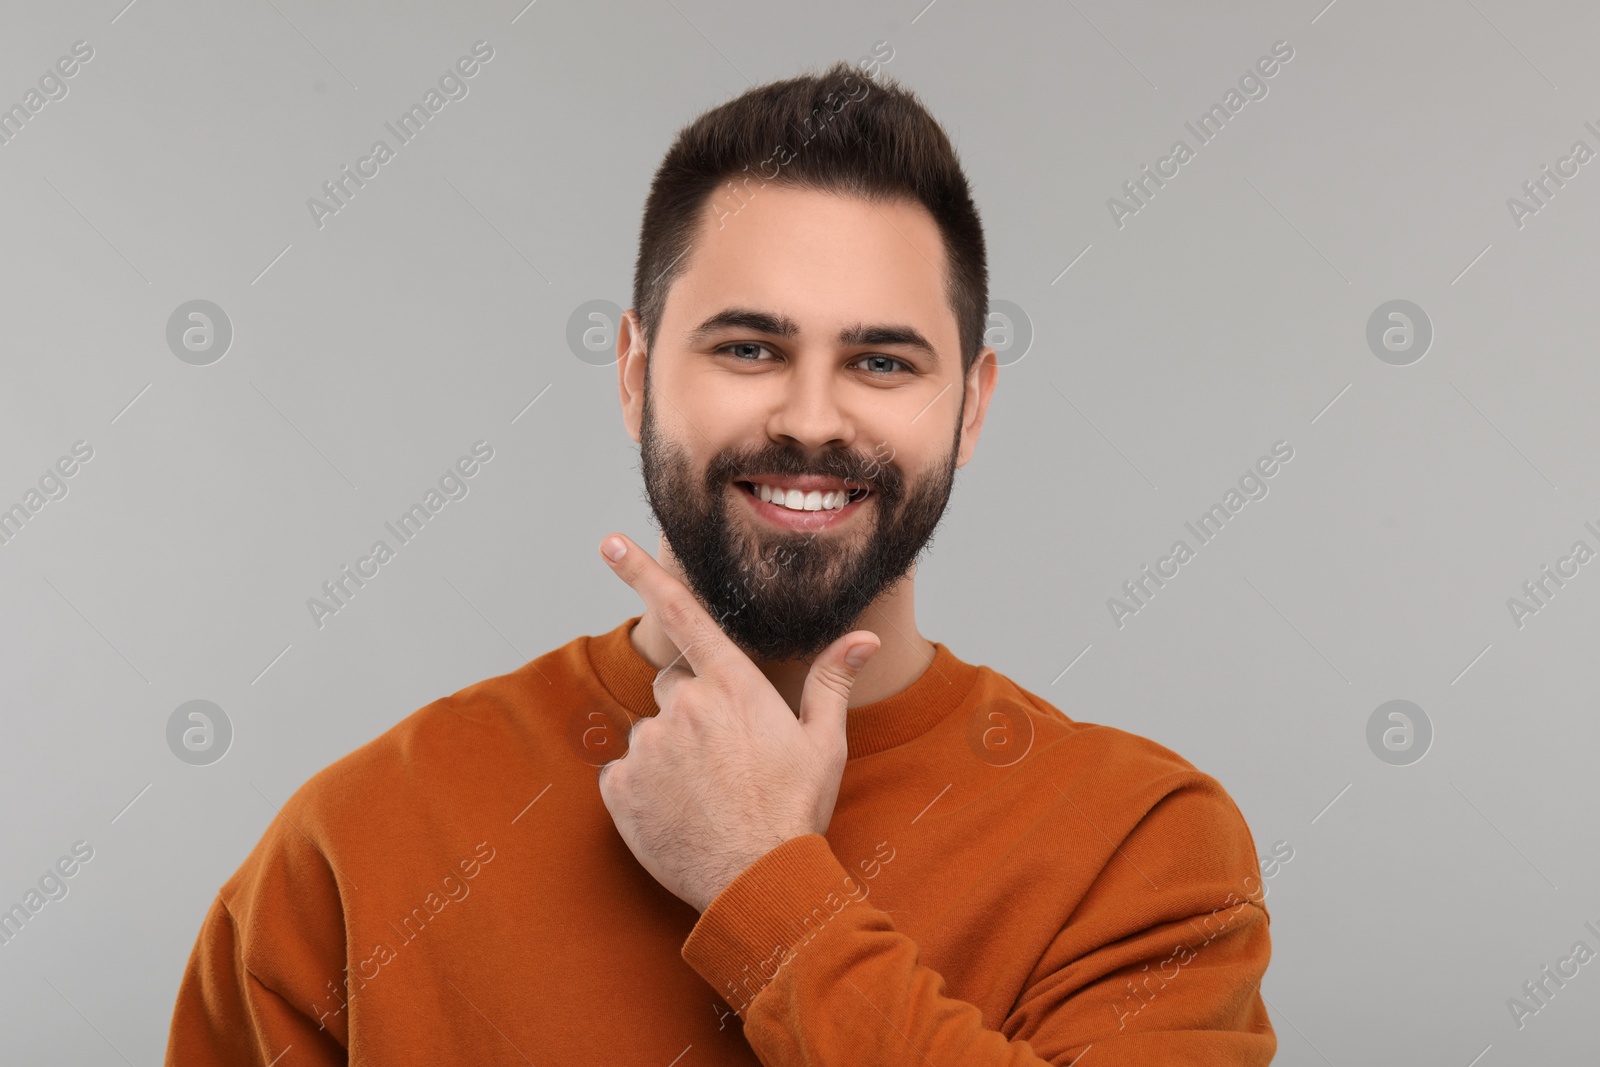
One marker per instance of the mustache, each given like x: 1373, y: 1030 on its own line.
x: 855, y: 470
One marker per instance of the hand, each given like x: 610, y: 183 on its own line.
x: 725, y: 772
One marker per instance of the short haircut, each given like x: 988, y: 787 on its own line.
x: 838, y: 132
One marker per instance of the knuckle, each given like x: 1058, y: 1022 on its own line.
x: 693, y: 702
x: 667, y: 682
x: 835, y: 679
x: 639, y: 730
x: 680, y: 612
x: 721, y: 687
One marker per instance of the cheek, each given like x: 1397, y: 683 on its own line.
x: 922, y: 460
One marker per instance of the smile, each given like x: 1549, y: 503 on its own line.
x: 801, y: 507
x: 804, y: 500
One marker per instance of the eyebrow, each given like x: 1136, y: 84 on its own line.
x: 782, y: 326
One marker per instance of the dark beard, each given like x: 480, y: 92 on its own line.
x: 788, y: 595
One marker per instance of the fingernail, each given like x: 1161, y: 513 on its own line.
x: 614, y: 548
x: 858, y: 655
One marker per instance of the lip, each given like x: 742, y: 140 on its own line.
x: 798, y: 520
x: 803, y: 482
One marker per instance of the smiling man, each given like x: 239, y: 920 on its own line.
x: 766, y: 820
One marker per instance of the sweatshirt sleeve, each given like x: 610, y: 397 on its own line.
x: 269, y: 944
x: 1168, y: 904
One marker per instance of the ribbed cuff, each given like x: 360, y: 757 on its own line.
x: 766, y: 915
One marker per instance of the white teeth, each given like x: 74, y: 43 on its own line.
x: 795, y: 500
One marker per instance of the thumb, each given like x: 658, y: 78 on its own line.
x: 826, y: 694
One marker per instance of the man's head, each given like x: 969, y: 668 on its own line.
x: 809, y: 306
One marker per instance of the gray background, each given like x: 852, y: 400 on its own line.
x: 1228, y: 314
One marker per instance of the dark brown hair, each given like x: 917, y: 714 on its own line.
x: 841, y: 131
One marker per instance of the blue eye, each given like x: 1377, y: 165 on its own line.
x: 739, y: 349
x: 889, y: 359
x: 743, y: 344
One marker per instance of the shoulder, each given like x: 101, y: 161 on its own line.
x: 1106, y: 753
x: 452, y: 759
x: 463, y: 725
x: 1138, y: 796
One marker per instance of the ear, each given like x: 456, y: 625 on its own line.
x: 981, y: 381
x: 631, y: 368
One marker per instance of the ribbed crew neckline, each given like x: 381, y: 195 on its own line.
x: 883, y: 724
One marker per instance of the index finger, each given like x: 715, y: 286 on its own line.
x: 685, y: 622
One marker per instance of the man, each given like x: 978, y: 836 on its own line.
x: 814, y: 835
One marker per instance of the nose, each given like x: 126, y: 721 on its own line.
x: 809, y: 414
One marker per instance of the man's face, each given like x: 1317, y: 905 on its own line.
x: 789, y: 358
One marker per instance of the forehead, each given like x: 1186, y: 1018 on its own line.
x: 822, y: 259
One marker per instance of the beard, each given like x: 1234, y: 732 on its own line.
x: 781, y: 594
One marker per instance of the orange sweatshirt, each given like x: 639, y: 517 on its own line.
x: 999, y: 885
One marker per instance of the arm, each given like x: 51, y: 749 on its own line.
x: 1114, y: 979
x: 250, y: 991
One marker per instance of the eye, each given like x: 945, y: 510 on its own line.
x: 732, y: 349
x: 880, y: 359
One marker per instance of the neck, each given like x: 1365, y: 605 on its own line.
x: 901, y: 659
